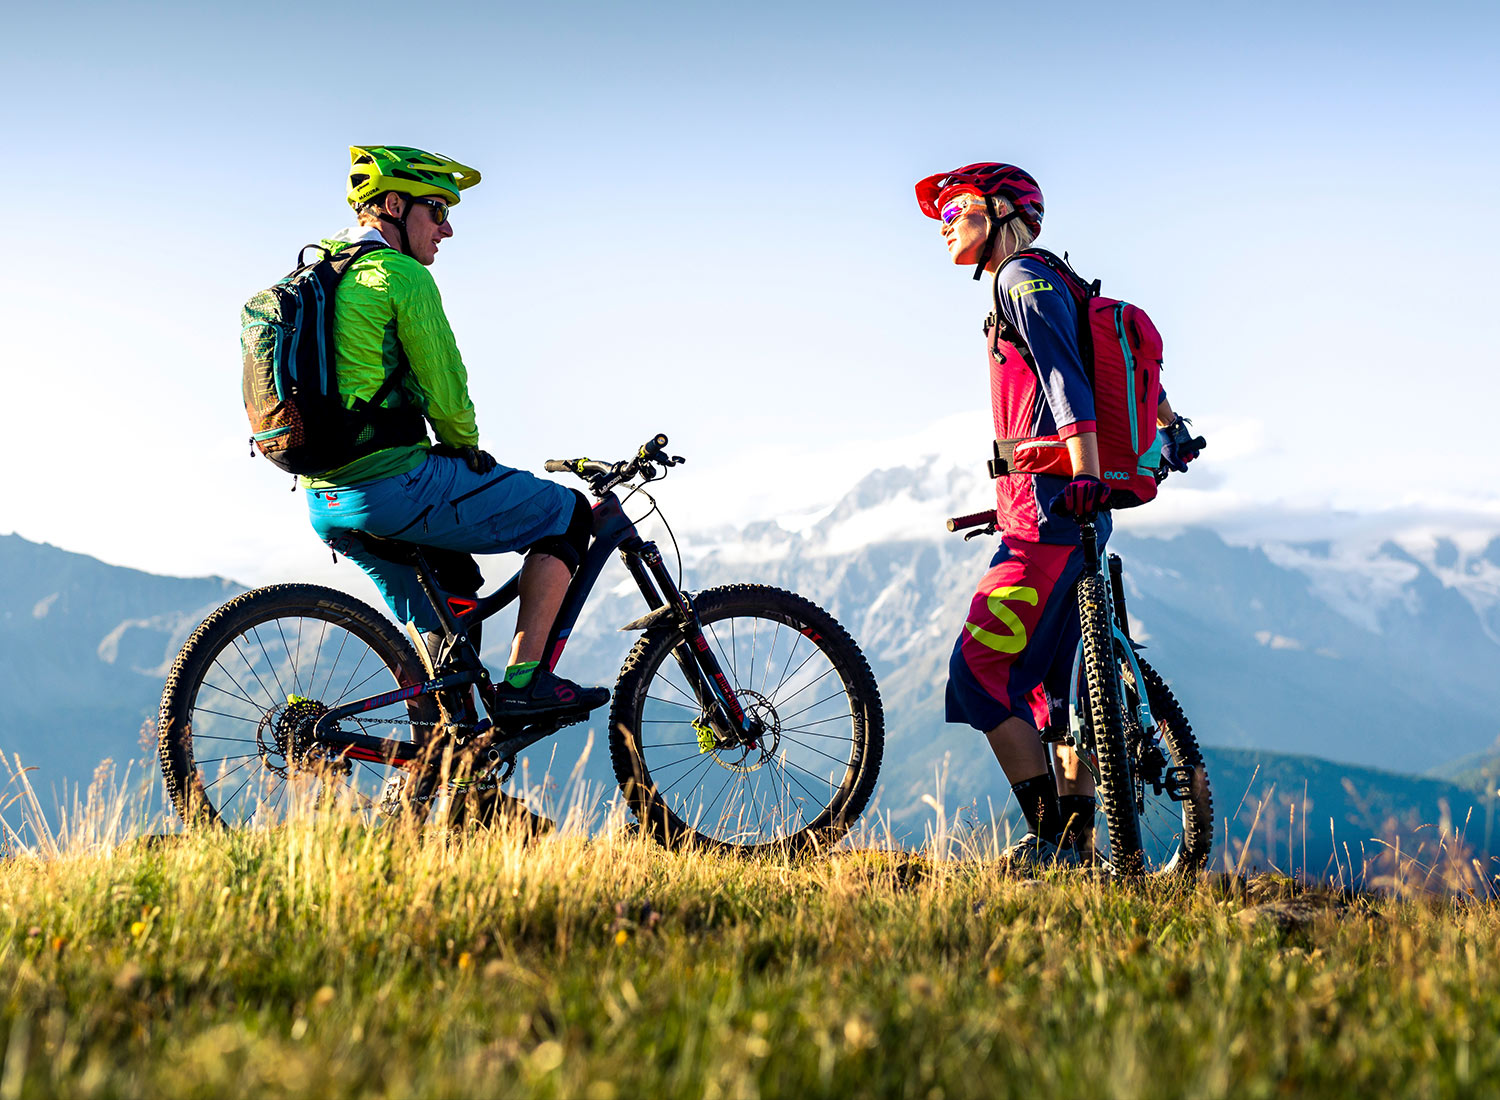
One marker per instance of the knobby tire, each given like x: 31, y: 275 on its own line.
x: 1176, y: 837
x: 815, y: 687
x: 243, y: 661
x: 1116, y: 792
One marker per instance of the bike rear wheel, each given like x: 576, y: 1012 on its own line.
x: 234, y: 730
x: 796, y: 669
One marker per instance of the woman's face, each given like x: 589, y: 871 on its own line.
x: 965, y: 226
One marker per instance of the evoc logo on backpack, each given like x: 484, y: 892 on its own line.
x: 298, y: 419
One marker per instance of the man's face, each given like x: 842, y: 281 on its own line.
x: 423, y: 232
x: 965, y: 226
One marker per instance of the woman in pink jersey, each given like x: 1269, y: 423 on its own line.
x: 1008, y: 676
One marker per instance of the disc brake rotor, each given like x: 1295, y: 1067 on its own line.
x: 738, y: 755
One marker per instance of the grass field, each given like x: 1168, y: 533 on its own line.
x: 331, y: 959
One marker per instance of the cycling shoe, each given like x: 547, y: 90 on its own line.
x: 547, y: 695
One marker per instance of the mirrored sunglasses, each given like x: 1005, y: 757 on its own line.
x: 957, y: 208
x: 439, y: 209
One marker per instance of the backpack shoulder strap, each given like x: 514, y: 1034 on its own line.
x: 1077, y: 284
x: 345, y: 258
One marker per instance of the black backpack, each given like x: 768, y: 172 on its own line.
x: 291, y: 389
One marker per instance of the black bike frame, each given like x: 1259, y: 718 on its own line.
x: 613, y: 530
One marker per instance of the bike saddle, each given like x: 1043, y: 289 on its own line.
x: 453, y: 570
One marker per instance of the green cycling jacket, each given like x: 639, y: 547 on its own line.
x: 386, y: 300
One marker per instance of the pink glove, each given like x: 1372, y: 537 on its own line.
x: 1080, y: 498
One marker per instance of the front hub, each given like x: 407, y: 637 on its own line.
x: 743, y: 750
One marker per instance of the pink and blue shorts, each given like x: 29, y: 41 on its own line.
x: 1014, y: 656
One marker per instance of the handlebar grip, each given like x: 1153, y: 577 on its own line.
x: 1199, y: 444
x: 557, y: 466
x: 652, y: 446
x: 976, y: 519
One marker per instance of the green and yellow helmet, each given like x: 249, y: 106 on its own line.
x: 376, y: 169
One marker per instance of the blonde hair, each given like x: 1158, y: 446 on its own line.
x: 1019, y: 231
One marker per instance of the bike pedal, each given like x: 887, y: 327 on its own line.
x: 1179, y: 783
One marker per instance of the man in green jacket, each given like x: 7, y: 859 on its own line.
x: 388, y: 318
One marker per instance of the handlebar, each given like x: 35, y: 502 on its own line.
x: 650, y: 461
x: 974, y: 519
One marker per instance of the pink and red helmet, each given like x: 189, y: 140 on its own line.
x: 984, y: 178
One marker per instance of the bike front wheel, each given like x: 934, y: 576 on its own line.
x: 795, y: 669
x: 1154, y: 798
x: 235, y: 727
x: 1174, y: 804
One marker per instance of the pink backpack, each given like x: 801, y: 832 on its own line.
x: 1121, y: 351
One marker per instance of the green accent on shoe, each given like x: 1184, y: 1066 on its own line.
x: 519, y: 675
x: 706, y: 742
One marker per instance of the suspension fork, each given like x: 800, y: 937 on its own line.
x: 693, y: 655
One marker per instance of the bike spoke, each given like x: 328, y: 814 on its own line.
x: 280, y: 697
x: 337, y: 657
x: 220, y: 714
x: 810, y: 748
x: 804, y: 687
x: 275, y: 700
x: 791, y: 654
x: 223, y: 777
x: 294, y: 659
x: 312, y: 673
x: 672, y: 702
x: 707, y: 759
x: 820, y: 702
x: 221, y: 759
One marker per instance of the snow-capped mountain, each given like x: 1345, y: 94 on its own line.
x: 1367, y: 640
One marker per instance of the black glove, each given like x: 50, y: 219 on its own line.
x: 481, y: 462
x: 1178, y: 447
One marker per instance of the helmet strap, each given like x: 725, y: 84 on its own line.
x: 399, y: 223
x: 989, y: 241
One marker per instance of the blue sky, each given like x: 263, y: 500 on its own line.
x: 698, y: 218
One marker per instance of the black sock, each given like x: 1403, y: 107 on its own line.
x: 1077, y: 814
x: 1038, y: 799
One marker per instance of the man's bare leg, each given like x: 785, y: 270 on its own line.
x: 544, y: 583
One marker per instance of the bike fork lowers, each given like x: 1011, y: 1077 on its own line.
x: 694, y: 656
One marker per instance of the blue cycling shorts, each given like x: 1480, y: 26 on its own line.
x: 440, y: 503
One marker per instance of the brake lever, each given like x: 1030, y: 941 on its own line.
x: 978, y: 532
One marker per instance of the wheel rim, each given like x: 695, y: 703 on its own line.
x: 249, y: 719
x: 791, y: 777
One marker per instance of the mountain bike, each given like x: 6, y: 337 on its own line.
x: 744, y: 717
x: 1130, y: 733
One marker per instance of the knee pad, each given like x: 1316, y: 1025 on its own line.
x: 570, y: 546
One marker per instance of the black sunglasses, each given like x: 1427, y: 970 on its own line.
x: 439, y: 210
